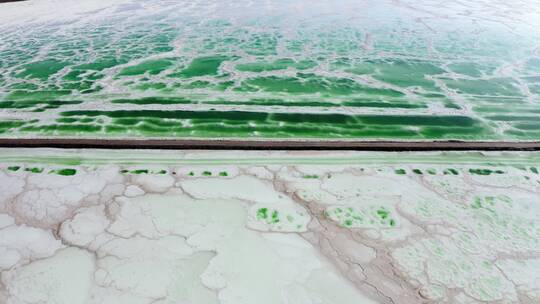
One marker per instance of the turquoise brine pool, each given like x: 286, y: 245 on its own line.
x: 407, y: 70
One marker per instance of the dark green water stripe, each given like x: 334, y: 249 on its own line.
x: 419, y: 120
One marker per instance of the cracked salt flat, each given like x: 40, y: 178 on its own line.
x: 407, y: 70
x: 269, y: 227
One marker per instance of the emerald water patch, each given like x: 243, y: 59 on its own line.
x: 42, y: 69
x: 202, y: 66
x: 278, y: 64
x: 285, y: 219
x: 355, y: 217
x: 151, y: 67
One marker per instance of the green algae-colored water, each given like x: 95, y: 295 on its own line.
x: 347, y: 70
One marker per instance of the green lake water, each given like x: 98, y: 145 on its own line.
x: 286, y: 69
